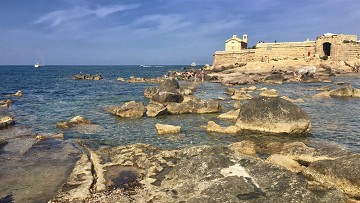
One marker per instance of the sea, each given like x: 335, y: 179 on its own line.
x: 50, y: 95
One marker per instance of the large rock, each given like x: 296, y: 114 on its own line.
x: 179, y: 108
x: 273, y: 115
x: 77, y: 120
x: 153, y: 110
x: 163, y: 129
x: 6, y: 121
x: 342, y: 173
x: 345, y: 91
x: 196, y: 174
x: 130, y: 109
x: 206, y: 106
x: 168, y: 91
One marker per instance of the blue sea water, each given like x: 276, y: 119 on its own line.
x: 50, y: 95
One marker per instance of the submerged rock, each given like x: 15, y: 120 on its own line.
x: 6, y: 103
x: 273, y: 115
x: 77, y: 120
x: 162, y: 129
x: 81, y: 76
x: 212, y: 127
x: 270, y: 93
x: 130, y: 109
x: 232, y: 115
x: 345, y: 91
x: 18, y: 94
x: 6, y: 121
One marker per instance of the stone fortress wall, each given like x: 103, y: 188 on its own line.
x: 336, y: 47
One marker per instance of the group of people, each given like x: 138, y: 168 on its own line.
x: 189, y: 75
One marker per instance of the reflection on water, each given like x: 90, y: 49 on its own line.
x: 50, y: 96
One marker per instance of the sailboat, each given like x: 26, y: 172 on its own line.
x: 40, y: 60
x: 193, y: 64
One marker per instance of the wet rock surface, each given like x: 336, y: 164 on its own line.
x: 75, y: 121
x: 31, y: 169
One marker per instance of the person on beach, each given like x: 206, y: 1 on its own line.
x: 202, y: 73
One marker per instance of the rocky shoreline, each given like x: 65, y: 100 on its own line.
x: 246, y: 171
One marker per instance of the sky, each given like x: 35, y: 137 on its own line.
x: 124, y: 32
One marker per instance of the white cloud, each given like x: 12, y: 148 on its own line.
x: 58, y: 17
x: 160, y: 23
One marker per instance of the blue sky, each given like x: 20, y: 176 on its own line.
x: 115, y: 32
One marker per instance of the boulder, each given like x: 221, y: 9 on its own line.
x: 162, y: 129
x: 230, y: 91
x: 241, y: 97
x: 285, y: 162
x: 168, y: 91
x: 342, y: 173
x: 251, y: 88
x: 6, y: 103
x: 269, y: 93
x: 130, y: 109
x: 153, y: 110
x: 212, y: 127
x: 150, y: 91
x: 322, y: 95
x: 179, y: 108
x: 232, y: 115
x: 273, y: 115
x: 18, y: 94
x: 120, y: 79
x: 6, y: 121
x: 244, y: 147
x: 274, y: 78
x: 205, y: 106
x: 345, y: 91
x: 77, y: 120
x: 356, y: 93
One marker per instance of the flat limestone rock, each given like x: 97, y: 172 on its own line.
x: 162, y: 129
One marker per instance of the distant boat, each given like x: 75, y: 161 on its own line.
x: 38, y: 65
x: 39, y: 60
x: 193, y: 64
x: 145, y: 66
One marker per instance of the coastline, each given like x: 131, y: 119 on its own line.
x: 147, y: 191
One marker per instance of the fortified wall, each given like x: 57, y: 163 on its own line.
x: 336, y: 47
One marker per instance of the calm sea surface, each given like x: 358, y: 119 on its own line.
x: 50, y: 96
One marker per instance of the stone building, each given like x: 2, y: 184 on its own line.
x: 236, y: 44
x: 338, y: 47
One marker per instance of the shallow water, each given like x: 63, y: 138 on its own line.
x: 50, y: 96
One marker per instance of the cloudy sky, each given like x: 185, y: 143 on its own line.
x: 115, y: 32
